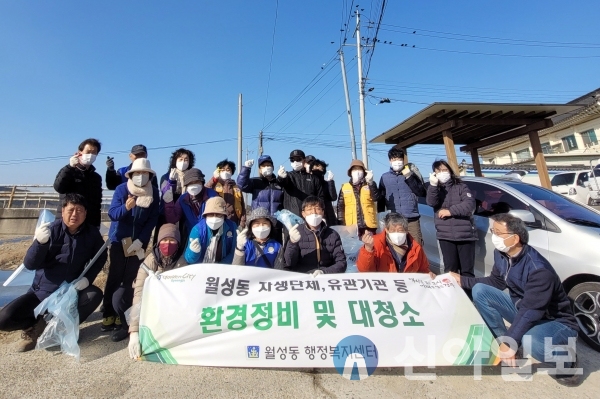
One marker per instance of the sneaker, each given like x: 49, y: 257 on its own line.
x: 119, y: 335
x: 108, y: 323
x: 118, y: 323
x: 569, y: 380
x: 30, y: 336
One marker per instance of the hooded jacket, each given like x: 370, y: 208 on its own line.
x: 457, y: 198
x: 381, y: 259
x: 298, y: 185
x: 64, y: 257
x: 398, y: 193
x: 86, y: 182
x: 302, y: 256
x: 534, y: 287
x: 265, y: 193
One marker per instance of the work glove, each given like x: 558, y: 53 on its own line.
x: 135, y: 349
x: 140, y: 253
x: 294, y: 234
x: 74, y: 161
x: 110, y: 163
x: 133, y: 248
x: 369, y: 177
x: 195, y: 245
x: 242, y: 238
x: 433, y: 180
x: 328, y: 176
x: 81, y: 284
x: 249, y: 163
x: 216, y: 174
x: 317, y: 272
x: 282, y: 173
x: 173, y: 174
x: 42, y: 233
x: 168, y: 195
x: 406, y: 170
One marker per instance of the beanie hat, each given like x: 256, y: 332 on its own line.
x: 215, y: 205
x: 354, y: 163
x: 192, y: 175
x: 260, y: 213
x: 168, y: 230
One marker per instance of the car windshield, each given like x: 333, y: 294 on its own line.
x: 561, y: 206
x: 563, y: 179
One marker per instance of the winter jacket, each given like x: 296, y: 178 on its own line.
x: 457, y: 198
x: 203, y: 233
x: 357, y: 204
x: 181, y: 210
x: 64, y: 257
x: 156, y: 267
x: 296, y: 187
x: 234, y: 199
x: 265, y: 193
x: 330, y: 196
x: 252, y: 257
x: 535, y: 290
x: 86, y: 182
x: 399, y: 194
x: 116, y: 177
x: 137, y: 222
x: 302, y: 256
x: 381, y: 259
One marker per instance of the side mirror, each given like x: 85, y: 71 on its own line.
x: 526, y: 216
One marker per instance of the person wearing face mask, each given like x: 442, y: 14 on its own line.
x: 318, y: 169
x: 116, y: 177
x: 399, y: 189
x: 357, y: 202
x: 227, y: 188
x: 314, y: 247
x: 393, y: 250
x: 167, y: 254
x: 213, y: 238
x: 256, y: 245
x: 188, y: 209
x: 133, y: 213
x: 80, y: 177
x: 265, y: 189
x: 536, y: 305
x: 297, y: 184
x: 453, y: 206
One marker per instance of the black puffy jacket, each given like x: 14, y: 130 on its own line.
x: 302, y: 256
x: 457, y: 198
x: 86, y: 182
x: 296, y: 187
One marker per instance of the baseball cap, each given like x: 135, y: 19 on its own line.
x: 297, y: 153
x: 138, y: 149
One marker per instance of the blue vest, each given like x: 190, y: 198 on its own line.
x: 253, y: 258
x: 398, y: 196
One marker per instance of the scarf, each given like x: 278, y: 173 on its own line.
x: 211, y: 250
x: 143, y: 194
x: 179, y: 179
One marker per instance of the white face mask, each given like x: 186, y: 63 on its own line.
x: 296, y: 166
x: 225, y: 175
x: 215, y: 222
x: 194, y: 189
x: 397, y: 165
x: 443, y: 177
x: 499, y: 242
x: 314, y: 220
x: 182, y: 165
x: 140, y: 180
x: 261, y: 232
x: 357, y: 175
x: 87, y: 159
x: 307, y: 168
x: 266, y: 171
x: 397, y: 238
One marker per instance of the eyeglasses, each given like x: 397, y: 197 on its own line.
x: 499, y: 233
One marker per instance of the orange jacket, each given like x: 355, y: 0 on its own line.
x: 381, y: 259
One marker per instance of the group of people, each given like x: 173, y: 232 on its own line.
x: 191, y: 219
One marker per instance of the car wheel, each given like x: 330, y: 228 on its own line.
x: 585, y: 298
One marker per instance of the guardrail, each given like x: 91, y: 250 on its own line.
x: 35, y: 196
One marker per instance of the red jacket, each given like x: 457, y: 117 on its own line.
x: 381, y: 259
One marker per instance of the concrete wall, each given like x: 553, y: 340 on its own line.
x: 18, y: 221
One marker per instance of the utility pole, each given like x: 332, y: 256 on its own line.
x: 239, y: 164
x: 361, y: 91
x: 348, y: 110
x: 260, y: 144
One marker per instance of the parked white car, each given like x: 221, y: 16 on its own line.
x: 580, y: 186
x: 563, y: 231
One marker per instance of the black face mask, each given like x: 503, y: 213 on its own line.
x: 318, y: 173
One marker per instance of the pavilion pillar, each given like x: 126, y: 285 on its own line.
x: 450, y: 150
x: 540, y: 161
x: 475, y: 162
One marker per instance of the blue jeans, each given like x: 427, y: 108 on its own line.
x: 495, y: 306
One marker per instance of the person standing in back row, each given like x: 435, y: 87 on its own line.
x: 116, y: 177
x: 298, y: 184
x: 398, y: 192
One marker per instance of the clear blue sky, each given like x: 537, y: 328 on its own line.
x: 165, y: 74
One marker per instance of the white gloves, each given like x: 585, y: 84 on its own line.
x: 282, y: 173
x: 369, y: 177
x: 317, y: 273
x: 249, y: 163
x: 195, y: 245
x: 81, y: 284
x: 216, y: 174
x: 42, y: 233
x: 173, y: 174
x: 294, y: 234
x: 74, y: 161
x: 135, y: 349
x: 134, y: 247
x: 168, y: 196
x: 328, y: 176
x: 433, y: 179
x: 242, y: 238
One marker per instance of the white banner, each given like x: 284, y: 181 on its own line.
x: 241, y: 316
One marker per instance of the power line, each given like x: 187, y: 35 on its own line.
x: 271, y: 59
